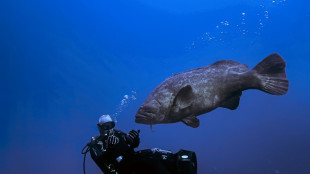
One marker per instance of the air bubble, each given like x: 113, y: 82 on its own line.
x: 225, y: 23
x: 124, y: 104
x: 242, y: 27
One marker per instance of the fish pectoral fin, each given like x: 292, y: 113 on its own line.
x: 184, y: 98
x: 191, y: 121
x: 232, y: 102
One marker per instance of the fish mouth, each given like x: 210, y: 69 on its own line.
x: 146, y: 116
x: 140, y: 118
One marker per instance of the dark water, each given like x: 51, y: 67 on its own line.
x: 65, y: 63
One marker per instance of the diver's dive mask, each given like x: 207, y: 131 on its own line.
x: 106, y: 126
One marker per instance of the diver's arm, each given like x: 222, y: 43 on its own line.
x: 133, y: 138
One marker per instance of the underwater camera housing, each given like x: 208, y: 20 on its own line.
x: 182, y: 162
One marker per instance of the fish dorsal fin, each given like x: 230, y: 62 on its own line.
x: 191, y: 121
x: 233, y: 65
x: 184, y: 98
x: 232, y: 102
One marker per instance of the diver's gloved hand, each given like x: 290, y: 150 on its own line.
x: 112, y: 140
x: 132, y: 135
x: 133, y: 138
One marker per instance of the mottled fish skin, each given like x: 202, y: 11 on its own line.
x: 184, y: 96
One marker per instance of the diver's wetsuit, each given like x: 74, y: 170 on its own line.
x: 112, y: 157
x: 120, y: 157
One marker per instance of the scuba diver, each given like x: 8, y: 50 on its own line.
x: 113, y: 151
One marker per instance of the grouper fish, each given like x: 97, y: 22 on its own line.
x: 186, y: 95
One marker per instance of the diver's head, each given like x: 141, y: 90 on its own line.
x: 105, y: 123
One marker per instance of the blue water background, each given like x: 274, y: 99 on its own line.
x: 65, y: 63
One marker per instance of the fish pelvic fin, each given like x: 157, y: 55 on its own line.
x: 271, y: 75
x: 232, y: 102
x: 191, y: 121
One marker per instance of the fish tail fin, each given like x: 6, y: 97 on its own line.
x: 271, y: 75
